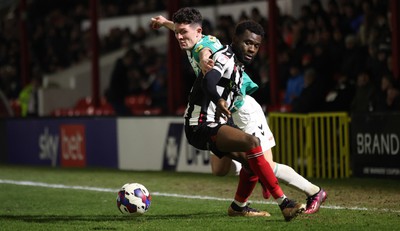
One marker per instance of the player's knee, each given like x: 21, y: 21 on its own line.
x: 252, y: 141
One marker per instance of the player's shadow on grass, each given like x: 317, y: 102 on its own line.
x: 89, y: 218
x: 60, y: 218
x: 147, y: 217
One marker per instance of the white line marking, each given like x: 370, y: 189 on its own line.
x: 96, y: 189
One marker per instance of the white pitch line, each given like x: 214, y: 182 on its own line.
x: 97, y: 189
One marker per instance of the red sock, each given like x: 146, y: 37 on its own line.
x: 263, y: 170
x: 247, y: 182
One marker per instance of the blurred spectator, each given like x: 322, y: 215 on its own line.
x: 368, y: 20
x: 28, y: 97
x: 340, y: 95
x: 317, y: 12
x: 376, y: 63
x: 336, y: 49
x: 365, y: 94
x: 393, y: 99
x: 257, y: 17
x: 9, y: 83
x: 295, y: 84
x: 381, y: 31
x: 353, y: 59
x: 387, y: 97
x: 352, y: 17
x: 158, y: 89
x: 138, y: 81
x: 120, y: 86
x: 311, y: 97
x: 322, y: 64
x: 332, y: 9
x: 283, y: 68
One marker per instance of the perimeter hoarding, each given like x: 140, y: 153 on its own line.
x: 153, y: 143
x: 376, y: 144
x: 65, y: 142
x: 3, y: 141
x: 127, y: 143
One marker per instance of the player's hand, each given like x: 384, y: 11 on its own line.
x: 157, y: 22
x: 222, y: 110
x: 206, y: 65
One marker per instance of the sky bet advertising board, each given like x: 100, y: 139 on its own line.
x: 63, y: 142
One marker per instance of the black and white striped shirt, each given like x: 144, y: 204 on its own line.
x: 201, y: 108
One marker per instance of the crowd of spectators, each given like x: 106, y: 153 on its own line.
x: 332, y: 58
x: 336, y: 59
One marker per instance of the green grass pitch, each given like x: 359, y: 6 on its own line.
x: 85, y: 199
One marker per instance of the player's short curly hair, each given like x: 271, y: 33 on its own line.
x: 250, y: 25
x: 187, y: 15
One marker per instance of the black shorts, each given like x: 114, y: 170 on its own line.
x: 203, y: 136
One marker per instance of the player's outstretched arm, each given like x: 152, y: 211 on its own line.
x: 160, y: 21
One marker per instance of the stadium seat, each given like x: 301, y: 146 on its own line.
x: 104, y: 110
x: 82, y: 111
x: 85, y: 107
x: 147, y: 111
x: 84, y: 103
x: 138, y: 101
x: 280, y: 108
x: 285, y: 108
x: 62, y: 112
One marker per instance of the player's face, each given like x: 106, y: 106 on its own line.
x: 187, y: 35
x: 246, y: 46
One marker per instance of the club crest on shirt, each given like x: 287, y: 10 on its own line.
x: 199, y: 48
x: 223, y: 59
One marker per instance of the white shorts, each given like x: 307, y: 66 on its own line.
x: 250, y: 118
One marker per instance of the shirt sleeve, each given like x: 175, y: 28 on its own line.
x: 221, y: 62
x: 210, y: 82
x: 209, y: 42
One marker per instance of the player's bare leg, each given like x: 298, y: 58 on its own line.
x: 220, y: 166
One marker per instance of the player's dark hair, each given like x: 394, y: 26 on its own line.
x: 250, y: 25
x: 187, y: 15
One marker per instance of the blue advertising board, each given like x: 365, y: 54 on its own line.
x: 65, y: 142
x: 3, y: 143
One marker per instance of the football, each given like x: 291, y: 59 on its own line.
x: 133, y: 199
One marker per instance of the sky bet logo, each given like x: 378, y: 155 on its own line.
x: 73, y: 146
x: 48, y: 145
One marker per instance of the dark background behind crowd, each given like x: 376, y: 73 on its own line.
x: 335, y: 57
